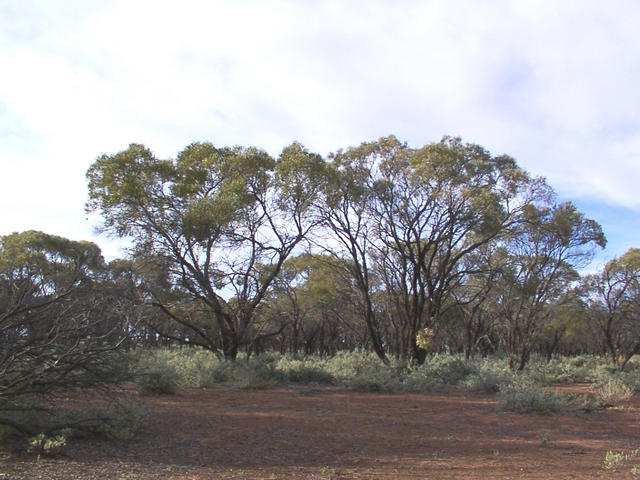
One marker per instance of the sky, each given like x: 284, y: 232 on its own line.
x: 554, y: 84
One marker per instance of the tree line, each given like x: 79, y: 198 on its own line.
x: 401, y: 251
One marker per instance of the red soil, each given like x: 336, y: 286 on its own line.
x: 329, y: 433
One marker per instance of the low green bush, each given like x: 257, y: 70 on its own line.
x: 158, y: 381
x: 612, y: 391
x: 247, y: 379
x: 561, y: 369
x: 346, y: 365
x: 122, y: 420
x: 189, y: 367
x: 300, y: 371
x: 419, y: 381
x: 615, y: 461
x: 26, y: 412
x: 485, y: 381
x: 450, y: 369
x: 522, y: 395
x: 44, y: 445
x: 382, y: 379
x: 630, y: 377
x: 165, y: 369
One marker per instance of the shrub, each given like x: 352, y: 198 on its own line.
x: 522, y: 395
x: 630, y: 377
x: 562, y: 369
x: 199, y: 368
x: 612, y: 391
x: 190, y: 367
x: 57, y: 328
x: 346, y: 365
x: 158, y: 380
x: 255, y: 373
x: 122, y: 420
x: 449, y: 369
x: 165, y: 369
x: 615, y: 460
x: 155, y: 373
x: 26, y: 412
x: 301, y: 372
x: 418, y: 381
x: 43, y: 445
x: 246, y: 378
x: 485, y: 381
x: 375, y: 380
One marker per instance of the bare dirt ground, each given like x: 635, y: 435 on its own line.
x: 329, y: 433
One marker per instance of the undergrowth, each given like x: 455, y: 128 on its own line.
x: 162, y: 371
x: 523, y: 395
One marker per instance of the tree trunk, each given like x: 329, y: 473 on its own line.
x: 229, y: 348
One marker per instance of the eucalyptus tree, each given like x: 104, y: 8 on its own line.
x: 349, y: 230
x: 56, y: 331
x: 613, y: 300
x: 219, y: 222
x: 568, y: 330
x: 416, y: 214
x: 473, y: 316
x: 313, y: 303
x: 540, y: 266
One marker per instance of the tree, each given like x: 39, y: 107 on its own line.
x: 474, y: 311
x: 613, y: 299
x: 539, y: 266
x: 345, y: 214
x: 55, y: 328
x: 413, y: 215
x: 567, y: 330
x: 313, y: 304
x: 218, y: 222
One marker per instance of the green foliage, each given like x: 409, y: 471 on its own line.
x: 605, y: 373
x: 360, y: 371
x: 44, y: 445
x: 614, y: 461
x: 299, y: 176
x: 364, y: 372
x: 613, y: 297
x: 345, y: 365
x: 522, y: 395
x: 449, y: 369
x: 612, y: 391
x: 486, y: 381
x: 51, y: 256
x: 59, y: 326
x: 247, y: 378
x: 381, y: 379
x: 25, y: 412
x: 158, y: 381
x: 193, y: 367
x: 122, y: 420
x: 184, y: 367
x: 419, y: 380
x: 304, y: 371
x: 561, y: 369
x: 255, y: 373
x: 220, y: 219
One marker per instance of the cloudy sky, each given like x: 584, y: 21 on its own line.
x: 555, y: 84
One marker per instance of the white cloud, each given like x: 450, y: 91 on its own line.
x: 552, y: 83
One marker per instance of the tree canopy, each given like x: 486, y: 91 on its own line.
x: 59, y: 324
x: 214, y: 218
x: 405, y: 224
